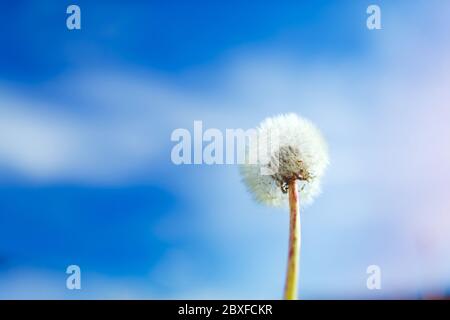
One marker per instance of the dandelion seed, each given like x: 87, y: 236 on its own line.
x: 296, y: 158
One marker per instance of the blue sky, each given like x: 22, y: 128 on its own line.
x: 85, y: 170
x: 171, y: 37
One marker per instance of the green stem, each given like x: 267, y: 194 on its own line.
x: 290, y: 291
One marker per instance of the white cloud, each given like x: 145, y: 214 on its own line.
x: 34, y: 283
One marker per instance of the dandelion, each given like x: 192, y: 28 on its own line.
x: 291, y: 159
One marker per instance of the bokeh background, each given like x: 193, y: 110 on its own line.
x: 86, y: 176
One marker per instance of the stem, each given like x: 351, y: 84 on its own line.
x: 290, y: 291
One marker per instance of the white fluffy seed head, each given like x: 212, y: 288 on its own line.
x: 286, y: 147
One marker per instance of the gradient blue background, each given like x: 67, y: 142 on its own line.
x: 86, y: 176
